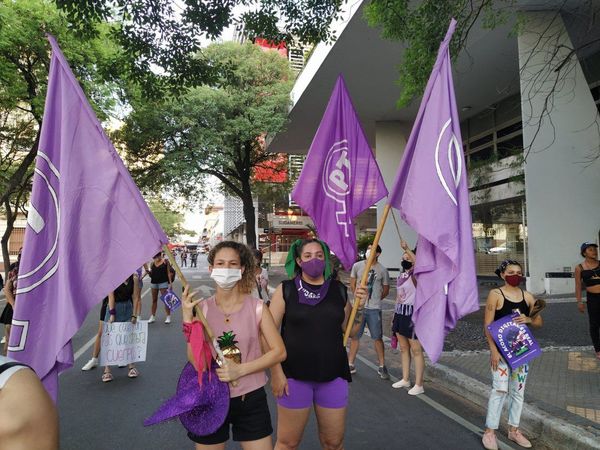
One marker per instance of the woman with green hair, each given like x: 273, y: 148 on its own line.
x: 312, y: 310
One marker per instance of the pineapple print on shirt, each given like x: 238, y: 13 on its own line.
x: 230, y: 350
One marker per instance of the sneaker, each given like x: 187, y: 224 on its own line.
x: 401, y: 384
x: 151, y: 319
x: 416, y: 390
x: 383, y: 373
x: 3, y: 341
x: 90, y: 364
x: 517, y: 437
x: 352, y: 368
x: 168, y: 319
x: 489, y: 441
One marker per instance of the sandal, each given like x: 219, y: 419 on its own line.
x: 106, y: 377
x: 133, y: 373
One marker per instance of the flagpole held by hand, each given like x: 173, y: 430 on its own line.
x: 365, y: 274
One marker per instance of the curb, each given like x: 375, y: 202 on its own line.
x: 548, y: 429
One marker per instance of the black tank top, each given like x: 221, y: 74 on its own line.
x: 124, y: 292
x: 509, y: 305
x: 158, y: 274
x: 590, y: 277
x: 313, y: 336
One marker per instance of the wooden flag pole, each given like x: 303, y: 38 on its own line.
x: 365, y: 274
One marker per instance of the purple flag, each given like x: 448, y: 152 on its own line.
x: 340, y: 177
x: 88, y: 229
x: 431, y: 192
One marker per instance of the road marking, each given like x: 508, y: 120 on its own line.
x: 441, y: 408
x: 89, y: 343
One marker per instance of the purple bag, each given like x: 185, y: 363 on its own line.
x: 171, y: 300
x: 515, y: 342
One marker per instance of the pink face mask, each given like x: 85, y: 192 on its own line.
x: 513, y: 280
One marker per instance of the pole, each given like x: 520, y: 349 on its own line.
x: 365, y: 275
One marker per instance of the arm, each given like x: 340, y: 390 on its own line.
x: 578, y: 288
x: 386, y: 284
x: 137, y: 298
x: 169, y: 277
x: 490, y: 310
x: 353, y: 284
x: 275, y: 354
x: 28, y: 415
x: 279, y: 383
x: 8, y: 288
x: 187, y: 307
x: 111, y: 307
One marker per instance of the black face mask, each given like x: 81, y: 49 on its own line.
x: 406, y: 265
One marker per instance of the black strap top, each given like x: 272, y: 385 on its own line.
x: 590, y: 277
x: 508, y: 306
x: 313, y: 336
x: 158, y: 274
x: 124, y: 292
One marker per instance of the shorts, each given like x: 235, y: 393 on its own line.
x: 124, y: 311
x: 328, y: 394
x: 248, y: 417
x: 404, y: 326
x: 164, y: 285
x: 103, y: 309
x: 371, y: 318
x: 7, y: 315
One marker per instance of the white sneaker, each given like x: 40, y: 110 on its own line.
x: 3, y: 341
x: 401, y: 384
x: 416, y: 390
x: 168, y: 319
x: 151, y: 319
x: 90, y: 364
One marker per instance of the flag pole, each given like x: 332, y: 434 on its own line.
x: 365, y: 274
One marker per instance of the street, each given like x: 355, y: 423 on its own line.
x: 100, y: 415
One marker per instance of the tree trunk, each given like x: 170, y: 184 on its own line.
x: 249, y: 214
x: 10, y: 222
x: 18, y: 177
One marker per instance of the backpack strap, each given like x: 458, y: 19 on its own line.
x: 343, y: 291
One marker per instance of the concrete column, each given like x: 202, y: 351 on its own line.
x: 390, y: 140
x: 562, y: 146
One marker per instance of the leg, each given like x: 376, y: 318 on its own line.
x: 97, y: 342
x: 154, y: 301
x: 497, y: 396
x: 7, y: 340
x: 331, y: 423
x: 593, y: 307
x: 167, y: 310
x: 355, y: 340
x: 405, y: 353
x: 516, y: 391
x: 378, y: 344
x: 290, y: 427
x: 211, y: 447
x: 260, y: 444
x: 419, y: 359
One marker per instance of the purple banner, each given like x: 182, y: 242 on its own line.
x: 171, y: 300
x: 515, y: 342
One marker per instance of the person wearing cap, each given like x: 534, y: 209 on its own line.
x: 588, y: 274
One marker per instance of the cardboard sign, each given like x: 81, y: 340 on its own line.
x: 515, y: 342
x: 123, y: 343
x: 171, y: 300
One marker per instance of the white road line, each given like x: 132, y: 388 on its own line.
x: 89, y: 343
x: 441, y: 408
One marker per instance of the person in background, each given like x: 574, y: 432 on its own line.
x: 160, y: 280
x: 261, y: 290
x: 587, y: 274
x: 10, y: 290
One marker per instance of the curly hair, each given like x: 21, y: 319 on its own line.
x: 247, y: 260
x: 504, y: 264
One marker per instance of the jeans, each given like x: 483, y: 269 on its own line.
x: 511, y: 383
x: 371, y: 318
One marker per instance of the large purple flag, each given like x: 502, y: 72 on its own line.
x: 88, y: 229
x: 340, y: 177
x: 431, y: 192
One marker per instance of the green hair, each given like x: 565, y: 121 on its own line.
x: 291, y: 266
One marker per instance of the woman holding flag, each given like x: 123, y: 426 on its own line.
x: 312, y: 310
x: 237, y: 320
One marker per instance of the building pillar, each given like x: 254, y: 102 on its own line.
x: 390, y: 140
x: 562, y: 176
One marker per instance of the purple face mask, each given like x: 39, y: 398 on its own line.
x: 314, y: 268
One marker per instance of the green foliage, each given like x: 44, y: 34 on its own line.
x: 363, y: 241
x: 167, y: 34
x: 169, y: 218
x: 421, y: 26
x: 227, y: 339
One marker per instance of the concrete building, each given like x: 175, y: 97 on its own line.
x: 530, y: 127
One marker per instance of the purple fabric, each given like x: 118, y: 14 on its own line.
x: 88, y: 229
x: 340, y: 178
x: 303, y: 394
x: 201, y: 409
x: 309, y: 296
x: 313, y: 267
x: 515, y: 342
x: 171, y: 300
x: 431, y: 192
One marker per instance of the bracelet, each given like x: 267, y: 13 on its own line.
x: 187, y: 331
x: 112, y: 312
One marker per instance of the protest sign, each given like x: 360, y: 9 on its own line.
x: 515, y: 342
x: 123, y: 343
x: 170, y: 300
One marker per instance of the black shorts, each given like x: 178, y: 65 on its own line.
x: 404, y: 326
x: 7, y: 315
x: 248, y: 417
x: 103, y: 310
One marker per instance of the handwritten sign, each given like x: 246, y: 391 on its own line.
x: 515, y: 342
x: 123, y: 343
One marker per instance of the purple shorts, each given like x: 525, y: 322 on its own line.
x: 328, y: 394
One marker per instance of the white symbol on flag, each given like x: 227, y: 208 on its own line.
x: 337, y: 178
x: 453, y: 147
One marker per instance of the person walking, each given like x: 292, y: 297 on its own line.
x: 378, y: 285
x: 10, y: 290
x: 587, y: 274
x: 507, y: 382
x: 239, y: 320
x: 403, y: 327
x: 120, y: 308
x: 261, y: 288
x: 184, y: 258
x: 160, y: 280
x: 312, y: 310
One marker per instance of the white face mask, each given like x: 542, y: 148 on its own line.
x: 226, y: 278
x: 367, y: 253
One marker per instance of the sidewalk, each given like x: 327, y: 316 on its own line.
x: 562, y: 397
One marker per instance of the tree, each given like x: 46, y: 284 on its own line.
x: 168, y: 34
x: 168, y: 217
x: 24, y: 64
x: 213, y: 130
